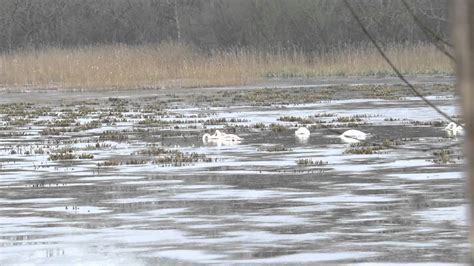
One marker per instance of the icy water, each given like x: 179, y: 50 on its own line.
x: 128, y: 180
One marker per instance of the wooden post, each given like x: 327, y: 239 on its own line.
x: 464, y: 48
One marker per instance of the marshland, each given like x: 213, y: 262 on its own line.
x: 102, y: 157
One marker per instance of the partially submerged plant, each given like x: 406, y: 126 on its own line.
x: 347, y: 119
x: 83, y: 156
x: 278, y: 128
x: 109, y: 163
x: 51, y: 131
x: 97, y: 146
x: 310, y: 162
x: 19, y: 122
x: 372, y: 148
x: 113, y: 136
x: 274, y: 148
x: 62, y: 156
x: 364, y: 148
x: 260, y: 126
x: 178, y: 158
x: 301, y: 120
x: 443, y: 156
x: 154, y: 151
x: 391, y: 142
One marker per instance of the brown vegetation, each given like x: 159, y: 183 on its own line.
x: 170, y: 64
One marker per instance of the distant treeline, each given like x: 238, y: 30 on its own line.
x: 307, y: 25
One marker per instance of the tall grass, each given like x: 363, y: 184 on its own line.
x: 169, y: 64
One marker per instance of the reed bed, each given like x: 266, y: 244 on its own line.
x: 173, y: 65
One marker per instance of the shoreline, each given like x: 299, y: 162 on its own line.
x: 321, y: 81
x: 38, y: 95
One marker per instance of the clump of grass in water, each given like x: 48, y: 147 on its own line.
x: 362, y: 150
x: 85, y: 156
x: 97, y: 146
x: 154, y: 151
x: 220, y: 121
x: 387, y: 143
x: 442, y: 157
x: 113, y: 136
x: 14, y: 109
x: 325, y: 114
x: 62, y: 156
x: 89, y: 125
x: 347, y: 119
x: 112, y: 120
x: 260, y: 126
x: 310, y: 162
x: 269, y: 97
x: 19, y: 122
x: 152, y: 121
x: 274, y: 148
x: 62, y: 123
x: 380, y: 92
x: 178, y: 158
x: 372, y: 148
x: 428, y: 123
x: 278, y: 128
x: 165, y: 158
x: 109, y: 163
x: 54, y: 131
x: 13, y: 134
x: 136, y: 161
x: 301, y: 120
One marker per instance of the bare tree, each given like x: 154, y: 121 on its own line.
x: 307, y: 25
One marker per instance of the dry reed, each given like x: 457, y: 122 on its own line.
x: 168, y: 64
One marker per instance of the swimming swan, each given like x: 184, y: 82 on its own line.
x: 207, y: 137
x: 220, y: 137
x: 231, y: 137
x: 353, y: 136
x: 302, y: 131
x: 453, y: 129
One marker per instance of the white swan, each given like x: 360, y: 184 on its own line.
x: 348, y: 140
x: 231, y: 137
x: 302, y: 131
x: 453, y: 129
x: 209, y: 138
x: 221, y: 138
x: 353, y: 136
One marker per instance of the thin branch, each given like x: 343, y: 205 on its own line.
x: 394, y: 68
x: 430, y: 33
